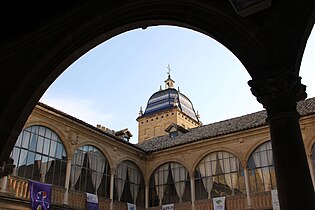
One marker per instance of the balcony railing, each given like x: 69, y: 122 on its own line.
x: 18, y: 187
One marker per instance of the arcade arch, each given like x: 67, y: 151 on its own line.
x: 40, y: 155
x: 270, y: 50
x: 219, y: 173
x: 90, y: 171
x: 169, y: 183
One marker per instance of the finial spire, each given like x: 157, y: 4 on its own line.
x: 169, y: 83
x: 169, y: 70
x: 140, y: 111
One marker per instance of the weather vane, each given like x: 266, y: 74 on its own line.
x: 169, y: 70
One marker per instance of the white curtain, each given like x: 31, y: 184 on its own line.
x: 120, y: 180
x: 97, y: 165
x: 134, y: 178
x: 263, y: 158
x: 179, y: 174
x: 207, y: 169
x: 44, y: 166
x: 160, y: 177
x: 77, y: 163
x: 230, y: 166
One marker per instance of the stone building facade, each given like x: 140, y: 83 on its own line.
x: 186, y: 166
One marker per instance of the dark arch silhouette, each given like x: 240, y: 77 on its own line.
x: 40, y: 39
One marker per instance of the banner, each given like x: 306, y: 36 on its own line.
x: 219, y: 203
x: 40, y: 195
x: 91, y: 201
x: 168, y: 207
x: 131, y: 206
x: 275, y: 200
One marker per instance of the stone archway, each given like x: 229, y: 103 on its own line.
x: 37, y: 45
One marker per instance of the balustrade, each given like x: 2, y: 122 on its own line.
x: 18, y: 187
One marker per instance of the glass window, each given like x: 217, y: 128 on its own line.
x: 35, y: 163
x: 25, y: 139
x: 218, y: 174
x: 169, y: 184
x: 129, y: 184
x: 173, y: 134
x: 261, y: 169
x: 90, y: 171
x: 46, y: 146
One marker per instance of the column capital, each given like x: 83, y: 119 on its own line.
x: 279, y: 94
x: 113, y: 171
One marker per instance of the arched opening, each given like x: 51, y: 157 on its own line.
x: 169, y: 184
x: 219, y: 174
x: 129, y: 184
x: 261, y: 170
x: 61, y: 36
x: 39, y: 154
x: 90, y: 171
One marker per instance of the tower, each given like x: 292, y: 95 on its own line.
x: 164, y: 108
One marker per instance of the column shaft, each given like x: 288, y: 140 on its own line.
x: 111, y: 193
x: 294, y: 183
x: 147, y: 197
x: 67, y: 181
x: 192, y: 192
x: 249, y: 204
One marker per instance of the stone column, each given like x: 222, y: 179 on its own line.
x: 249, y: 204
x: 279, y: 96
x: 67, y: 181
x: 311, y: 166
x: 147, y: 197
x: 192, y: 192
x: 111, y: 191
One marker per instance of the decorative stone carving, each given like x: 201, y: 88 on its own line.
x: 73, y: 137
x: 279, y: 94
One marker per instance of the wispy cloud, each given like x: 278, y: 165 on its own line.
x: 83, y: 109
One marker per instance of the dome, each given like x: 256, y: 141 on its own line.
x: 169, y: 99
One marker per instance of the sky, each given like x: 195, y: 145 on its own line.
x: 109, y: 83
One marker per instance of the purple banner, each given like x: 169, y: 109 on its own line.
x: 40, y: 194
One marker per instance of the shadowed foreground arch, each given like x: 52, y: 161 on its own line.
x: 41, y: 39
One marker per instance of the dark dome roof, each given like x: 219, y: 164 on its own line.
x: 167, y: 99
